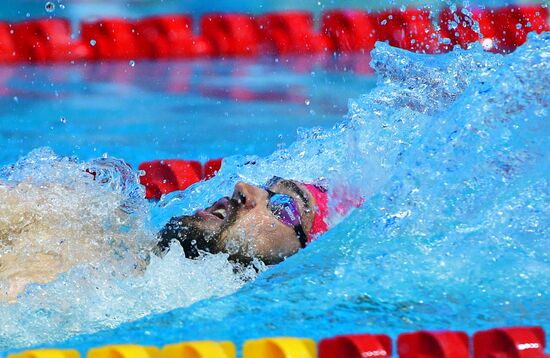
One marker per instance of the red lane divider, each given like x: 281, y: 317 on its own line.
x: 165, y: 176
x: 291, y: 32
x: 112, y: 39
x: 45, y: 40
x: 426, y: 344
x: 349, y: 30
x: 211, y: 168
x: 7, y: 47
x: 411, y: 29
x: 513, y: 23
x: 513, y: 342
x: 356, y: 346
x: 503, y: 29
x: 171, y: 36
x: 231, y: 34
x: 458, y: 28
x: 281, y: 33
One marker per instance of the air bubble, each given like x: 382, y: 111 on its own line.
x: 63, y: 120
x: 307, y: 102
x: 132, y: 63
x: 50, y: 6
x: 93, y: 42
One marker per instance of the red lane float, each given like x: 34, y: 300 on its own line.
x: 281, y: 33
x: 171, y: 36
x: 428, y: 344
x: 112, y: 39
x: 411, y: 30
x: 512, y: 24
x: 45, y: 40
x: 457, y: 27
x: 7, y: 47
x: 513, y: 342
x: 165, y: 176
x: 211, y: 168
x: 291, y: 32
x: 502, y: 29
x: 231, y: 34
x: 349, y: 30
x: 356, y: 346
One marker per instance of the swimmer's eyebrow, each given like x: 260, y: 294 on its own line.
x: 290, y: 185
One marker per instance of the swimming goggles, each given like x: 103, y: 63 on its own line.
x: 285, y: 209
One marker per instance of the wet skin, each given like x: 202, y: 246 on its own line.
x: 242, y: 225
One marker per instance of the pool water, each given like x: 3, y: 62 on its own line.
x: 189, y: 109
x: 449, y: 153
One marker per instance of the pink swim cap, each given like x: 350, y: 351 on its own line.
x: 319, y: 225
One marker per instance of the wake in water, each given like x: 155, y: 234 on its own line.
x: 449, y: 153
x: 80, y: 232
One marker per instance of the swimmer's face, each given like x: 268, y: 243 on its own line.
x: 243, y: 225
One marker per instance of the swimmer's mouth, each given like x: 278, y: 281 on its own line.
x: 220, y: 210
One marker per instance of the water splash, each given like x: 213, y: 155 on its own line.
x: 449, y: 152
x: 80, y: 231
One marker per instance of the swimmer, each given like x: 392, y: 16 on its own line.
x: 269, y: 223
x: 68, y: 228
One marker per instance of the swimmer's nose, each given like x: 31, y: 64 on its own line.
x: 247, y: 195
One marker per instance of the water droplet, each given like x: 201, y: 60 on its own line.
x: 63, y: 120
x: 62, y: 7
x: 28, y: 14
x: 93, y: 42
x: 16, y: 99
x: 132, y: 63
x: 307, y: 102
x: 487, y: 43
x: 384, y: 22
x: 50, y: 6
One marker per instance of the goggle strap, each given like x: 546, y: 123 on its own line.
x: 299, y: 230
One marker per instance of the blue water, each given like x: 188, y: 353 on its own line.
x: 449, y: 152
x: 192, y: 109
